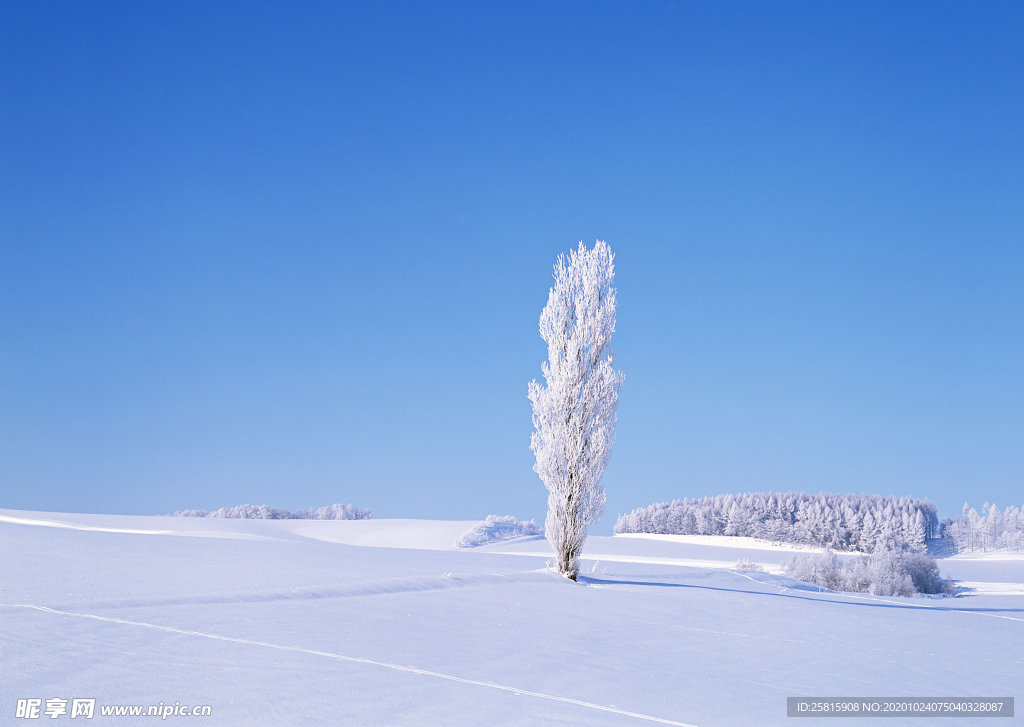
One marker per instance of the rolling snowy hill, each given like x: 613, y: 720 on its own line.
x: 386, y: 622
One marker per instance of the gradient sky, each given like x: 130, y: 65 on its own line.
x: 295, y: 253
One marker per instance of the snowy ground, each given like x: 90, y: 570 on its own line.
x: 383, y: 622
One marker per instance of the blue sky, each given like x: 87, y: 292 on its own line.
x: 294, y: 254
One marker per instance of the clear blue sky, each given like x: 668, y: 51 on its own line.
x: 294, y: 254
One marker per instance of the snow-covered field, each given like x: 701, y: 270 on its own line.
x: 386, y: 622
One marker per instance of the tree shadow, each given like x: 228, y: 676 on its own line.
x: 908, y: 607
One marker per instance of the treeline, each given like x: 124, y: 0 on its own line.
x: 262, y: 512
x: 990, y: 529
x: 841, y: 522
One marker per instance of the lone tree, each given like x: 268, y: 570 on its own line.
x: 574, y: 412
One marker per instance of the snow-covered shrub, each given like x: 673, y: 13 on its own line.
x: 841, y: 522
x: 498, y: 527
x: 332, y: 512
x: 924, y: 572
x: 748, y: 565
x: 251, y: 512
x: 262, y: 512
x: 890, y: 575
x: 822, y: 570
x: 886, y: 572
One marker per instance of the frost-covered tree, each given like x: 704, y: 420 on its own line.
x: 574, y: 411
x: 992, y: 530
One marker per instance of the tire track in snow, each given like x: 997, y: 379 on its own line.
x: 356, y: 660
x: 372, y: 588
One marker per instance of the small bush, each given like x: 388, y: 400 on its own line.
x: 823, y: 570
x: 886, y: 572
x: 332, y: 512
x: 495, y: 528
x: 748, y: 565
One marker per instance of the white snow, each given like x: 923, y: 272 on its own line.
x: 413, y: 534
x: 994, y: 555
x: 732, y: 541
x: 1000, y: 589
x: 55, y: 523
x: 385, y: 622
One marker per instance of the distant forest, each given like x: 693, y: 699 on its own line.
x: 262, y: 512
x: 841, y: 522
x: 990, y: 529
